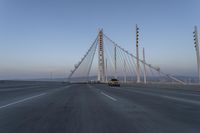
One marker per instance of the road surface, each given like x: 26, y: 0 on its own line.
x: 97, y: 108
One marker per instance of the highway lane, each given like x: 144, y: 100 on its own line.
x: 174, y: 105
x: 82, y: 108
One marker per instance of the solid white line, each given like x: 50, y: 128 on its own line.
x: 15, y: 89
x: 164, y: 96
x: 182, y: 100
x: 168, y: 91
x: 22, y: 100
x: 109, y: 96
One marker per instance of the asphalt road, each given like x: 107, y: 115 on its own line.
x: 89, y: 108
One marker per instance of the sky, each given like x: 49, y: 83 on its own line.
x: 39, y: 37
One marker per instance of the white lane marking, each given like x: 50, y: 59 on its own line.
x: 22, y: 100
x: 108, y: 96
x: 92, y: 87
x: 163, y: 96
x: 64, y: 87
x: 15, y: 89
x: 182, y: 100
x: 168, y: 91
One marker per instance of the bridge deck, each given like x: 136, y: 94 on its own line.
x: 84, y: 108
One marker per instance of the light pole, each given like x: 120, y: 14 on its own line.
x: 137, y: 54
x: 145, y: 72
x: 196, y: 45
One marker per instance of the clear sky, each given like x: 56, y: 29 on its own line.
x: 42, y: 36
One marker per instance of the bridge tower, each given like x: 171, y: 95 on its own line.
x: 101, y: 67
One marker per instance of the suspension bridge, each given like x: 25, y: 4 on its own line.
x: 51, y: 107
x: 105, y: 59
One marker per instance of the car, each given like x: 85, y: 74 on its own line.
x: 114, y: 82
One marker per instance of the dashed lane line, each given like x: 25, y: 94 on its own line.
x: 112, y: 98
x: 22, y: 100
